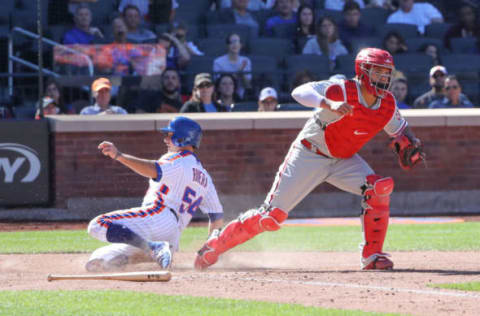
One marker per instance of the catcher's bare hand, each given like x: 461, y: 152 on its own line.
x: 338, y: 107
x: 109, y: 149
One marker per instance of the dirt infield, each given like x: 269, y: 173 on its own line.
x: 316, y: 279
x: 321, y: 279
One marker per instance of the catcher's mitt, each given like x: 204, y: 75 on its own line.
x: 409, y: 154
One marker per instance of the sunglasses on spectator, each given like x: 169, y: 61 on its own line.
x: 451, y: 87
x: 438, y: 75
x: 205, y: 85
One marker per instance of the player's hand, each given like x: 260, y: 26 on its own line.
x: 109, y: 149
x: 338, y: 107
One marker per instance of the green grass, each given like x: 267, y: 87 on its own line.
x: 63, y: 303
x: 418, y: 237
x: 470, y: 286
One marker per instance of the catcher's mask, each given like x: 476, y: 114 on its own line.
x: 367, y: 62
x: 185, y: 132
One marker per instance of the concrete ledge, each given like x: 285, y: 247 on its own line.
x: 242, y: 120
x: 338, y: 204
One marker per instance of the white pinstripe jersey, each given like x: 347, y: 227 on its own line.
x: 184, y: 186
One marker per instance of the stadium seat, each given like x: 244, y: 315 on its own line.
x: 284, y: 30
x: 262, y: 63
x: 319, y: 4
x: 374, y: 16
x: 190, y: 16
x: 437, y: 30
x: 212, y: 47
x: 471, y: 90
x: 274, y: 47
x: 102, y: 11
x: 362, y: 42
x: 406, y: 30
x: 24, y: 112
x: 336, y: 15
x: 244, y: 107
x: 292, y: 107
x: 464, y: 45
x: 221, y: 31
x: 346, y: 65
x: 198, y: 5
x: 416, y: 43
x: 461, y: 62
x: 319, y: 64
x: 413, y: 62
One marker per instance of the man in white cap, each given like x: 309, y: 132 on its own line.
x: 268, y: 100
x: 437, y: 80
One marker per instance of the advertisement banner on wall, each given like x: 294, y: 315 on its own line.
x: 24, y: 163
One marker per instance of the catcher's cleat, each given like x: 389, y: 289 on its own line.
x: 377, y: 261
x: 161, y: 253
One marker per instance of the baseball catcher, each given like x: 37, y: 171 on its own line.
x: 349, y: 112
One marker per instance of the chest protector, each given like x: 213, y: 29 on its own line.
x: 347, y: 135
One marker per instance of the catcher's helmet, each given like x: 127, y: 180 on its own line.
x: 364, y: 62
x: 185, y: 132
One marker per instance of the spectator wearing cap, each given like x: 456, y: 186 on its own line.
x: 351, y: 25
x: 285, y: 15
x: 83, y: 32
x: 101, y: 90
x: 49, y: 108
x: 400, y: 91
x: 419, y: 14
x: 232, y: 62
x: 203, y: 98
x: 454, y: 98
x: 136, y: 33
x: 437, y: 80
x: 267, y: 100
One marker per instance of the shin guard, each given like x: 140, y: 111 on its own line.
x: 376, y: 212
x: 238, y: 231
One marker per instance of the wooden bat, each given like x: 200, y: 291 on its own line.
x: 142, y: 276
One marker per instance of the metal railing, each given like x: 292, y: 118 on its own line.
x: 12, y: 58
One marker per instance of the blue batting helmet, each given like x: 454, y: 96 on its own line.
x: 185, y: 132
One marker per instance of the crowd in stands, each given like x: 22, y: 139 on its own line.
x: 247, y: 55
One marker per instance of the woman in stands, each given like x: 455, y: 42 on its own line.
x: 468, y: 25
x: 225, y: 87
x: 394, y: 43
x: 203, y: 96
x: 305, y: 28
x: 327, y: 41
x: 53, y: 90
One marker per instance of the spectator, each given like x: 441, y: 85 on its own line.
x: 53, y: 90
x: 301, y: 77
x: 162, y: 11
x: 467, y: 26
x: 239, y: 14
x: 136, y: 33
x: 285, y: 16
x: 400, y: 92
x: 326, y: 42
x: 83, y: 32
x: 433, y: 51
x: 49, y: 108
x: 233, y: 62
x: 268, y: 100
x: 225, y: 87
x: 338, y: 5
x: 166, y: 100
x: 101, y: 89
x: 178, y: 55
x: 180, y: 30
x: 253, y: 5
x: 203, y: 99
x: 437, y: 80
x: 305, y: 28
x: 419, y: 14
x: 394, y: 43
x: 454, y: 98
x: 351, y: 26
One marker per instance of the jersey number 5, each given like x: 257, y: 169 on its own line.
x: 190, y: 205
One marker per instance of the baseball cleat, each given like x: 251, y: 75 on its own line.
x: 377, y: 261
x: 161, y: 253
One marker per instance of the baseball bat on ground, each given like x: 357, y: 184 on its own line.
x: 142, y: 276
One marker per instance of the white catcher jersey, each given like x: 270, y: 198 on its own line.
x: 183, y: 185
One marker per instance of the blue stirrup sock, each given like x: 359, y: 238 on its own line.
x: 117, y: 233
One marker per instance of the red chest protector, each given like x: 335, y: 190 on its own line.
x: 346, y: 136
